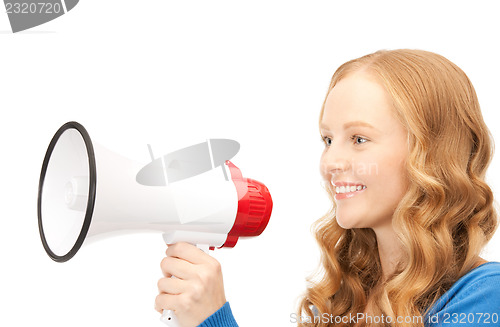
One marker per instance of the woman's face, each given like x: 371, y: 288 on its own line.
x: 365, y: 151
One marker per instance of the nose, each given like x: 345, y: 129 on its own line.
x: 334, y: 161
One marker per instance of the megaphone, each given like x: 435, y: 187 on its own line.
x: 87, y: 192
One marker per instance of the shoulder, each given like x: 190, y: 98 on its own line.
x: 473, y: 299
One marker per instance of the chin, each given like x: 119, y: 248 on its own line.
x: 347, y: 223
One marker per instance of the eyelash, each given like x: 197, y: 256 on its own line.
x: 353, y: 137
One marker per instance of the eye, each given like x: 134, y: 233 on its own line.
x: 356, y: 138
x: 327, y: 140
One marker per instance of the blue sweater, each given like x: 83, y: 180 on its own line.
x: 473, y: 300
x: 221, y: 318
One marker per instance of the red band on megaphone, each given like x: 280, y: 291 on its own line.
x: 254, y: 207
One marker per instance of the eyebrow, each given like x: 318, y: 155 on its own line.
x: 352, y: 124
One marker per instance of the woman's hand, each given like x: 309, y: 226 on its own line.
x: 198, y: 289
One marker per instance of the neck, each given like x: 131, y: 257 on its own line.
x: 389, y: 249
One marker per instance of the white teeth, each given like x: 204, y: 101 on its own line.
x: 347, y: 189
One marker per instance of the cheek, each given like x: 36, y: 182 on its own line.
x: 390, y: 177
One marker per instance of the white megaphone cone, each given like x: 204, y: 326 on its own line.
x: 194, y: 195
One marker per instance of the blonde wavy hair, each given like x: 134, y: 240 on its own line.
x: 444, y: 219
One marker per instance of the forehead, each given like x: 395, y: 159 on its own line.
x: 358, y: 97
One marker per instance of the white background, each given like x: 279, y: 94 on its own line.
x: 172, y: 73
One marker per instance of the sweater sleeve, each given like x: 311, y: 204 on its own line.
x: 221, y: 318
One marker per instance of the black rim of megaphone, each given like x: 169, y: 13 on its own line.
x: 92, y: 190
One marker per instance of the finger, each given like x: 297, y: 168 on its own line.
x: 187, y: 252
x: 165, y: 302
x: 173, y: 286
x: 164, y: 267
x: 179, y: 268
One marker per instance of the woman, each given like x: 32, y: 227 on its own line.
x: 406, y: 152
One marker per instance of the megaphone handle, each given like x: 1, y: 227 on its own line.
x: 168, y: 316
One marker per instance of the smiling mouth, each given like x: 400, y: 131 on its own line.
x: 349, y: 189
x: 346, y: 192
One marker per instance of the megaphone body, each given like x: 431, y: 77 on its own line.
x: 87, y: 192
